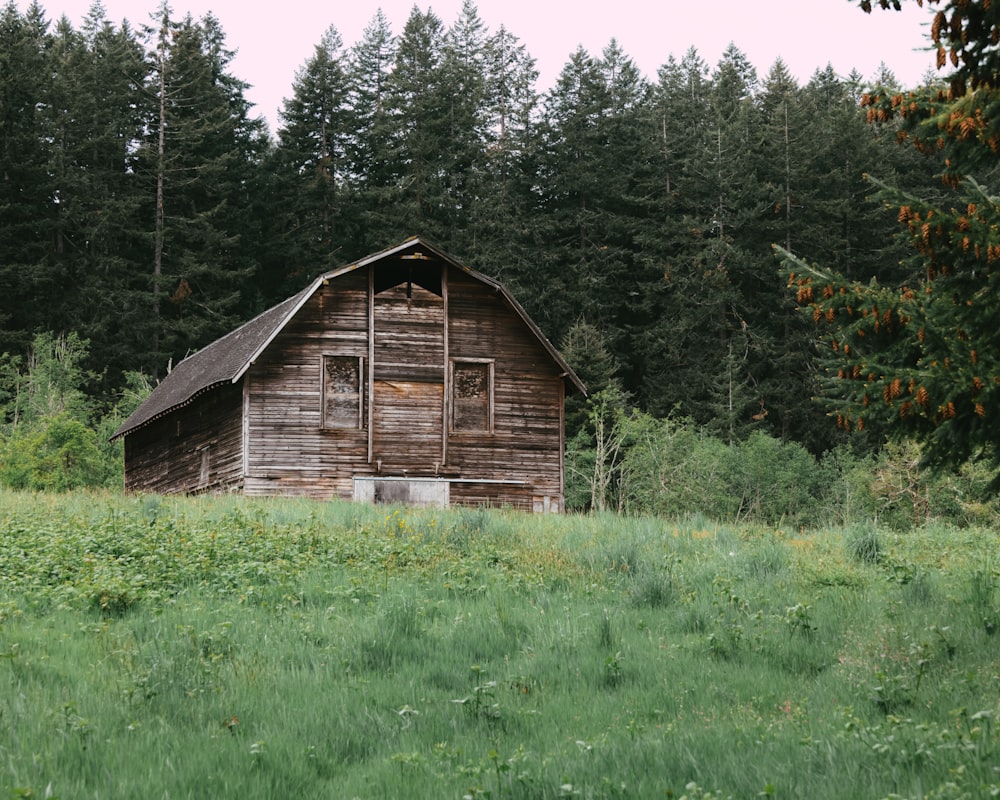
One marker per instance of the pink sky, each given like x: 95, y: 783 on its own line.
x: 275, y: 41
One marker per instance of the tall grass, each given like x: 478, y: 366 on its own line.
x: 236, y: 648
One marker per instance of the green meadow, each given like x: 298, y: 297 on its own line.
x: 217, y: 648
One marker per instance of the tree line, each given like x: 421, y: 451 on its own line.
x: 146, y: 209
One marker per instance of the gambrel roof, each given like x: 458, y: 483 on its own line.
x: 226, y: 360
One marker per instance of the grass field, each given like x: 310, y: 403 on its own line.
x: 210, y: 648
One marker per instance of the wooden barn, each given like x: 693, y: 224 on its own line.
x: 403, y: 377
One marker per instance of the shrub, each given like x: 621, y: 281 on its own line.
x: 54, y: 454
x: 671, y: 468
x: 770, y: 480
x: 846, y: 481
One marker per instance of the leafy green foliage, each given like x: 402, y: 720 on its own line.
x: 628, y: 461
x: 631, y: 461
x: 56, y: 453
x: 53, y: 382
x: 47, y: 438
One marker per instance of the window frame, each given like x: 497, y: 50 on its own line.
x: 457, y: 363
x: 360, y: 420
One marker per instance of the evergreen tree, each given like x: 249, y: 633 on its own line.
x: 595, y: 131
x: 97, y: 114
x: 921, y: 357
x: 28, y: 216
x: 676, y: 347
x: 369, y: 147
x: 584, y: 350
x: 463, y: 154
x: 200, y: 157
x: 502, y: 215
x: 311, y: 162
x: 734, y: 397
x: 784, y: 165
x: 419, y: 104
x: 700, y: 350
x: 839, y: 148
x: 786, y: 370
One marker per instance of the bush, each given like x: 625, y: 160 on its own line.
x: 772, y: 481
x: 54, y: 454
x: 672, y: 469
x: 905, y: 495
x: 846, y: 481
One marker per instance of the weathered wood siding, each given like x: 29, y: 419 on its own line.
x: 526, y: 441
x: 196, y: 449
x: 288, y: 450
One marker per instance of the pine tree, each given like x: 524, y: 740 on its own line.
x: 28, y: 216
x: 502, y: 214
x: 700, y: 350
x: 677, y: 346
x: 200, y: 157
x: 311, y: 157
x: 782, y: 143
x: 593, y: 126
x: 786, y: 371
x: 97, y: 116
x: 584, y: 349
x: 464, y: 153
x: 419, y: 105
x: 920, y: 358
x: 369, y: 147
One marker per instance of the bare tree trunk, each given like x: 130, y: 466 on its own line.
x: 160, y: 170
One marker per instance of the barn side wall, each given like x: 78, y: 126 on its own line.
x: 526, y: 444
x: 288, y: 450
x: 196, y: 449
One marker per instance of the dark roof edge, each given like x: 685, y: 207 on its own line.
x: 138, y: 419
x: 124, y: 431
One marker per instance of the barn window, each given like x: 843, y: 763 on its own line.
x: 472, y: 396
x: 206, y: 464
x: 343, y: 392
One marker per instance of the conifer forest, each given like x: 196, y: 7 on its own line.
x: 646, y: 223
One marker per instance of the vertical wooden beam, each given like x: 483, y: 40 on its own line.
x: 446, y: 405
x: 246, y: 425
x: 371, y: 362
x: 562, y: 444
